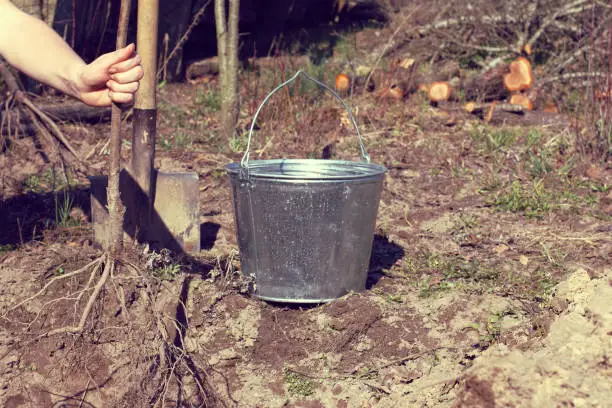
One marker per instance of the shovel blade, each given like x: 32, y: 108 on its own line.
x: 174, y: 221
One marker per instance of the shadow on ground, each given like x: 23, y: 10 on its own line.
x: 384, y: 255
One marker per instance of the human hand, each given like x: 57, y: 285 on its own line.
x: 112, y: 77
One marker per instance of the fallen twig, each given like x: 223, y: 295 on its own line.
x: 36, y: 115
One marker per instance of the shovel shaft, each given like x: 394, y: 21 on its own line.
x: 146, y: 40
x: 145, y: 112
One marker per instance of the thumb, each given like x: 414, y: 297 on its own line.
x: 119, y: 55
x: 97, y: 72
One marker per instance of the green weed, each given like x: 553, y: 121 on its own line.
x: 395, y: 298
x: 167, y: 272
x: 538, y: 163
x: 63, y: 208
x: 31, y: 184
x: 298, y: 384
x: 209, y: 100
x: 600, y: 188
x: 238, y: 143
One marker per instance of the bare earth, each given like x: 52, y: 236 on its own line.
x: 489, y: 286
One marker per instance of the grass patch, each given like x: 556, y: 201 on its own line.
x: 534, y: 201
x: 6, y: 248
x: 539, y: 163
x: 537, y: 199
x: 446, y: 272
x: 490, y: 140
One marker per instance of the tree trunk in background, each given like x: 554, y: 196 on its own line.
x: 227, y: 49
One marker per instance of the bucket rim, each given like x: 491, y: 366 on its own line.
x: 308, y: 169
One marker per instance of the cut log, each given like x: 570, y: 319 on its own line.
x: 343, y: 83
x: 527, y: 49
x: 439, y: 92
x: 68, y: 112
x: 478, y: 108
x: 205, y: 67
x: 520, y: 76
x: 603, y: 95
x: 522, y: 100
x: 530, y: 118
x: 486, y: 87
x: 515, y: 115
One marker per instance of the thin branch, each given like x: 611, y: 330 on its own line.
x: 572, y: 75
x: 184, y: 37
x: 451, y: 22
x: 571, y: 8
x: 388, y: 45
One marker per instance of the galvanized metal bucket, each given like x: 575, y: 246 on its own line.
x: 305, y: 227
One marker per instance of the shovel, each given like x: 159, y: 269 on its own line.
x: 162, y: 209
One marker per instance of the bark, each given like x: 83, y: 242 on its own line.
x: 486, y: 87
x: 227, y: 47
x: 116, y: 208
x: 479, y: 108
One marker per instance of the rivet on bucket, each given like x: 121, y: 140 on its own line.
x: 305, y: 227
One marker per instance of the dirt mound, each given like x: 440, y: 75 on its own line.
x: 572, y: 368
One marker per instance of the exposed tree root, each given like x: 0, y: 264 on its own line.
x: 109, y: 266
x: 175, y: 371
x: 94, y: 264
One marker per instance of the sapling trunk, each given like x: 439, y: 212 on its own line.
x: 227, y: 49
x: 116, y: 209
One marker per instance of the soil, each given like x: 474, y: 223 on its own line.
x: 489, y: 283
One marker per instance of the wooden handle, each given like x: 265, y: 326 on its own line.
x: 146, y: 43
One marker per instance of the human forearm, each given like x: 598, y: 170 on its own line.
x: 35, y: 49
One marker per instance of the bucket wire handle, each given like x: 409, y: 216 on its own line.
x: 244, y: 163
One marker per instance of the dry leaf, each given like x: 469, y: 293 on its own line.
x: 523, y: 260
x: 500, y: 249
x: 406, y: 63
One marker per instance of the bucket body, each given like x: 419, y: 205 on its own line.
x: 305, y: 227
